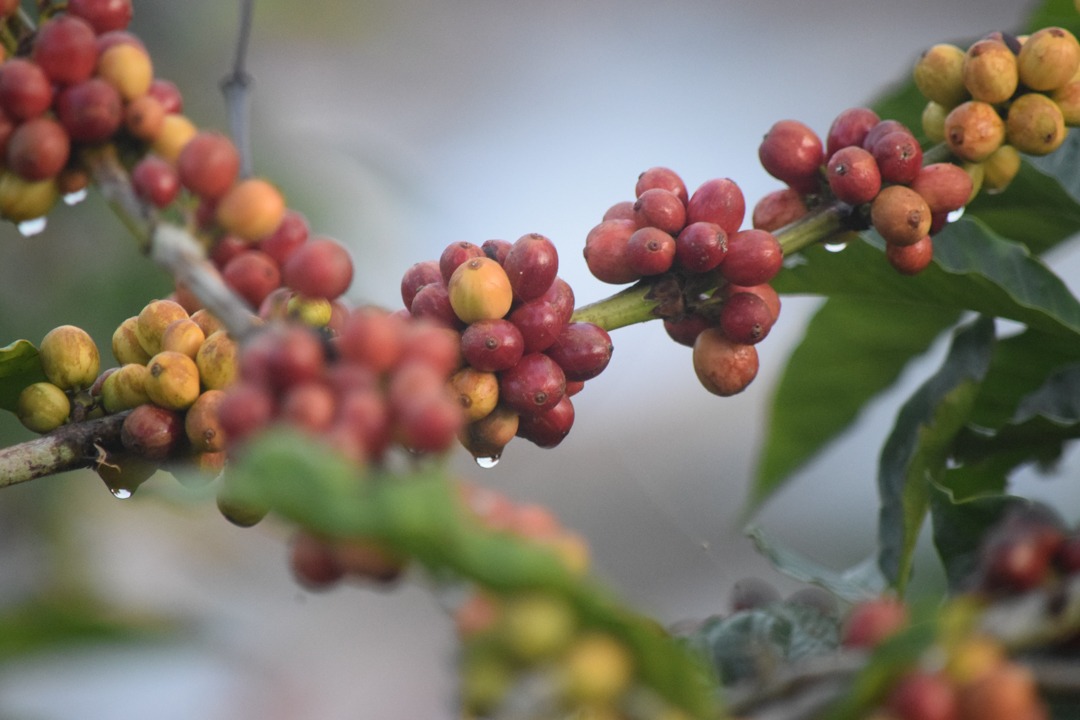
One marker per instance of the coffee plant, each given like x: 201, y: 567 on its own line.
x: 924, y: 216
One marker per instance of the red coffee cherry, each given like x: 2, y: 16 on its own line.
x: 661, y: 209
x: 497, y: 250
x: 208, y: 165
x: 66, y: 49
x: 454, y: 255
x: 754, y: 257
x: 290, y: 234
x: 166, y: 93
x: 416, y: 277
x: 723, y: 366
x: 25, y: 89
x: 663, y: 178
x: 152, y: 432
x: 922, y: 695
x: 38, y: 149
x: 531, y: 265
x: 156, y: 181
x: 717, y: 201
x: 606, y: 251
x: 792, y: 153
x: 103, y: 15
x: 746, y: 318
x: 253, y: 275
x: 910, y: 259
x: 777, y: 209
x: 650, y: 251
x: 944, y: 186
x: 853, y: 175
x: 90, y: 111
x: 492, y: 345
x: 872, y: 621
x: 701, y: 246
x: 685, y: 330
x: 547, y: 429
x: 534, y: 385
x: 850, y: 128
x: 320, y: 268
x: 898, y: 156
x: 582, y: 350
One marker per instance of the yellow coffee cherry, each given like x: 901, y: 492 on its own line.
x: 183, y: 336
x: 201, y: 423
x: 486, y: 438
x: 125, y: 388
x: 939, y: 75
x: 1048, y: 59
x: 22, y: 200
x: 597, y: 668
x: 176, y: 131
x: 315, y: 312
x: 126, y: 347
x: 251, y: 209
x: 477, y: 391
x: 1035, y: 124
x: 536, y: 625
x: 42, y: 407
x: 989, y: 71
x: 152, y: 321
x: 173, y: 382
x: 69, y: 358
x: 1000, y: 168
x: 217, y: 361
x: 480, y: 290
x: 207, y: 322
x: 127, y: 68
x: 1067, y: 98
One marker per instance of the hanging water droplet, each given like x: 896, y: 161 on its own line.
x: 835, y: 247
x: 488, y: 461
x: 955, y: 215
x: 74, y: 198
x: 32, y: 227
x: 951, y: 463
x: 121, y: 493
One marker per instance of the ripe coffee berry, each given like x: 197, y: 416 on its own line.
x: 66, y: 49
x: 650, y: 251
x: 90, y: 111
x: 531, y: 265
x: 900, y: 215
x: 103, y: 15
x: 456, y: 253
x: 661, y: 209
x: 582, y: 350
x: 850, y: 128
x: 417, y: 276
x: 208, y: 164
x: 534, y: 385
x: 548, y: 429
x: 898, y: 156
x: 910, y: 259
x: 745, y: 318
x: 853, y: 175
x: 663, y: 178
x: 492, y: 345
x: 701, y: 246
x: 723, y: 366
x: 253, y: 275
x: 606, y: 251
x: 320, y: 268
x: 25, y: 89
x: 777, y: 209
x: 38, y: 149
x: 717, y: 201
x: 793, y: 153
x: 754, y: 257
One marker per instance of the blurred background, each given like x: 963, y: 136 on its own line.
x: 399, y: 126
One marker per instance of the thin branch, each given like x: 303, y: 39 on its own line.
x: 69, y: 447
x: 236, y: 87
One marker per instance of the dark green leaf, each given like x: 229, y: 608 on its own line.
x: 19, y: 367
x: 918, y: 447
x: 959, y: 526
x: 861, y: 582
x: 1060, y: 13
x: 974, y: 268
x: 852, y: 350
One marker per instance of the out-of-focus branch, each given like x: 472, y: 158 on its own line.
x: 236, y: 87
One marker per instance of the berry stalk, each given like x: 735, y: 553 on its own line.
x: 73, y: 446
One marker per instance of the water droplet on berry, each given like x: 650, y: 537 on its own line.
x: 955, y: 215
x: 75, y: 198
x: 28, y: 228
x: 835, y: 247
x: 488, y: 461
x: 121, y: 493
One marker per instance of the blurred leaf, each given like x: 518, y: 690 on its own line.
x: 903, y: 101
x: 860, y: 582
x: 48, y: 623
x: 749, y: 644
x: 917, y: 449
x: 1060, y: 13
x: 19, y: 367
x: 959, y: 527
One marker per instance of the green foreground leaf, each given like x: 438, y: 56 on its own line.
x: 19, y: 367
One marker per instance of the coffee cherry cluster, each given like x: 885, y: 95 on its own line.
x: 83, y: 81
x: 1000, y: 97
x: 523, y: 356
x: 70, y: 361
x: 725, y: 304
x: 868, y: 163
x: 968, y: 677
x: 1030, y: 548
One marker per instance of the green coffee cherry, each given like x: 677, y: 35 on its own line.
x: 42, y: 407
x: 933, y: 121
x: 69, y: 358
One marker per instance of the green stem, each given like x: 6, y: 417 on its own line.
x: 625, y: 307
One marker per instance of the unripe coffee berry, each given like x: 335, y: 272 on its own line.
x: 900, y: 215
x: 974, y: 130
x: 939, y: 75
x: 723, y: 367
x: 69, y: 357
x: 990, y: 71
x: 480, y: 290
x: 1035, y: 125
x: 1049, y: 58
x: 128, y: 68
x: 42, y: 407
x: 251, y: 209
x: 173, y: 382
x: 125, y: 388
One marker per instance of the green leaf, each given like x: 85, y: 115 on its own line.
x: 1060, y: 13
x: 853, y: 349
x: 1039, y: 208
x: 860, y: 582
x: 918, y: 447
x: 959, y: 527
x: 19, y: 367
x: 974, y: 268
